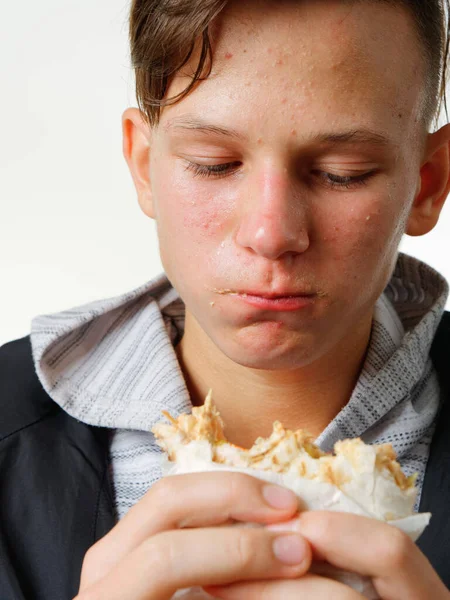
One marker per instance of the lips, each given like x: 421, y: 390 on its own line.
x: 283, y: 304
x: 269, y: 295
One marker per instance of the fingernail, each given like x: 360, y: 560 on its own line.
x: 290, y: 549
x: 279, y: 497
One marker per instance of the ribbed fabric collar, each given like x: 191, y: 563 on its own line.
x: 112, y: 362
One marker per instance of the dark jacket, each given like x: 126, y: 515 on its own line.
x: 56, y: 497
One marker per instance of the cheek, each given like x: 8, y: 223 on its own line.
x: 204, y: 221
x: 192, y: 221
x: 363, y: 239
x: 372, y: 223
x: 191, y: 227
x: 191, y: 210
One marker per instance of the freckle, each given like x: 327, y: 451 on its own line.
x: 336, y: 228
x: 228, y: 55
x: 400, y: 116
x: 245, y: 51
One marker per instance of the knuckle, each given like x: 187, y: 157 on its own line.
x: 245, y: 549
x: 90, y: 561
x: 322, y: 523
x: 97, y: 562
x: 160, y: 553
x: 90, y: 572
x: 235, y: 488
x: 396, y: 549
x: 162, y: 492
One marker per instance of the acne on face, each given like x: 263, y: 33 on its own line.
x: 279, y: 100
x: 205, y: 222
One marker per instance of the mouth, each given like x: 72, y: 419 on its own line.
x: 285, y: 301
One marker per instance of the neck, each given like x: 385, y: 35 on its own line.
x: 250, y: 400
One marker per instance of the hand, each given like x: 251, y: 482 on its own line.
x: 171, y: 540
x: 366, y: 546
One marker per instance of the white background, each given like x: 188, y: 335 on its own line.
x: 71, y: 230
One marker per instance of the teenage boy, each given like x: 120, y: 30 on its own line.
x: 281, y: 183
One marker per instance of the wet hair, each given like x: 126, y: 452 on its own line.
x: 164, y: 34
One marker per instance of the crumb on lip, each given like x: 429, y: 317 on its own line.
x: 223, y: 292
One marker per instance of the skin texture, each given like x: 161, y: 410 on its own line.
x: 284, y: 77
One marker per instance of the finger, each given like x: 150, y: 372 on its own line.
x: 189, y: 500
x: 177, y: 559
x: 308, y: 586
x: 371, y: 548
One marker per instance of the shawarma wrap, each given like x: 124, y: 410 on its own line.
x: 357, y: 478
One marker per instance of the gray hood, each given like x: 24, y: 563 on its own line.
x: 112, y: 362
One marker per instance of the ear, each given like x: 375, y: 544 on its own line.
x: 434, y: 184
x: 136, y: 150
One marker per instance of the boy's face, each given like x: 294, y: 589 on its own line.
x: 317, y: 92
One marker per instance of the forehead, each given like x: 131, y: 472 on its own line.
x: 316, y: 58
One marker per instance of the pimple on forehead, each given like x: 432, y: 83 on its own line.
x: 228, y: 55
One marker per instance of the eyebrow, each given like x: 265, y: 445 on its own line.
x: 361, y: 136
x: 197, y: 124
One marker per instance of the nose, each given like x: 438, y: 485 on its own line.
x: 274, y: 220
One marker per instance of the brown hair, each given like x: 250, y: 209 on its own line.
x: 164, y: 34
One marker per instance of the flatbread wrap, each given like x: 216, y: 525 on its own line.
x: 359, y: 478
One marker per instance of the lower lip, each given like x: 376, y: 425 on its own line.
x: 290, y: 303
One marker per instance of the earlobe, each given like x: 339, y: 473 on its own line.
x: 136, y: 151
x: 434, y: 184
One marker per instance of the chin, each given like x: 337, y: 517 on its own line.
x: 272, y: 358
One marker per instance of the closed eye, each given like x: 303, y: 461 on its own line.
x: 330, y: 180
x: 347, y: 182
x: 211, y: 170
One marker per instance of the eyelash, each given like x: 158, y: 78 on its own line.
x: 329, y: 179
